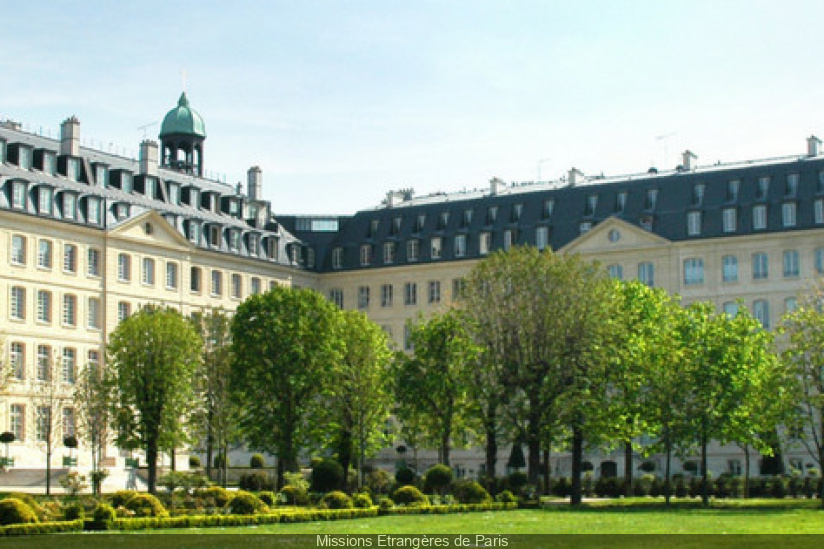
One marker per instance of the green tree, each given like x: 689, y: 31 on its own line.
x: 93, y: 401
x: 50, y: 398
x: 216, y: 412
x: 285, y: 342
x: 729, y: 363
x: 360, y: 394
x: 433, y: 383
x: 804, y: 359
x: 549, y: 321
x: 153, y: 357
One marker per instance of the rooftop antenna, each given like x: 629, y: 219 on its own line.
x: 665, y: 138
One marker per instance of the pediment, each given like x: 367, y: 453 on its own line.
x: 614, y: 234
x: 151, y: 228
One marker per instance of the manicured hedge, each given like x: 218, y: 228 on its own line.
x: 42, y: 528
x: 448, y: 509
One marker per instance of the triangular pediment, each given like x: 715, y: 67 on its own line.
x: 614, y: 234
x: 150, y: 227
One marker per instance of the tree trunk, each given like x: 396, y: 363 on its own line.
x: 577, y: 459
x: 668, y: 479
x: 445, y: 447
x: 746, y: 471
x: 491, y: 450
x: 705, y: 492
x: 48, y: 467
x: 345, y: 455
x: 547, y: 471
x: 151, y: 461
x: 280, y: 471
x: 209, y: 442
x: 533, y: 443
x: 628, y: 468
x: 173, y: 459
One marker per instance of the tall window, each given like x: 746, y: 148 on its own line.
x: 124, y: 267
x: 237, y: 286
x: 69, y: 365
x: 460, y: 245
x: 646, y: 273
x: 791, y: 263
x: 17, y: 360
x: 761, y: 311
x: 45, y: 202
x: 93, y: 313
x: 337, y: 258
x: 18, y: 250
x: 70, y: 258
x: 485, y: 243
x: 410, y: 293
x: 759, y: 217
x: 44, y: 358
x: 124, y: 309
x: 760, y: 266
x: 366, y: 255
x: 620, y: 202
x: 542, y: 237
x: 693, y: 271
x: 732, y: 190
x: 43, y: 423
x: 18, y: 195
x: 763, y: 187
x: 386, y: 295
x: 195, y: 279
x: 44, y: 306
x: 731, y: 309
x: 171, y: 275
x: 730, y: 267
x: 790, y: 304
x: 546, y: 211
x: 17, y: 304
x: 94, y: 262
x: 650, y: 199
x: 93, y: 210
x: 44, y: 254
x: 616, y: 272
x: 730, y: 220
x: 819, y: 260
x: 336, y: 296
x: 413, y: 249
x: 69, y: 310
x: 148, y: 276
x: 698, y: 194
x: 217, y: 283
x: 17, y: 415
x: 457, y: 288
x: 254, y: 284
x: 68, y: 422
x: 69, y: 206
x: 434, y: 291
x: 792, y: 185
x: 363, y: 297
x: 509, y: 238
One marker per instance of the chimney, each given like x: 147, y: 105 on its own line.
x: 574, y: 176
x: 70, y: 137
x: 496, y: 185
x: 254, y: 183
x: 813, y: 145
x: 148, y: 157
x: 393, y: 198
x: 688, y: 160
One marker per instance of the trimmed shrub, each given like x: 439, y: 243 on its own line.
x: 517, y: 481
x: 408, y: 495
x: 257, y: 461
x: 121, y: 497
x: 336, y: 500
x: 562, y: 487
x: 29, y: 500
x: 379, y: 481
x: 74, y: 511
x: 256, y: 482
x: 470, y: 491
x: 146, y: 505
x: 293, y: 495
x: 362, y: 501
x: 386, y: 504
x: 15, y: 511
x: 216, y: 496
x: 268, y: 497
x: 681, y: 489
x: 437, y: 479
x: 608, y: 487
x: 778, y: 487
x: 506, y: 497
x: 327, y: 476
x: 405, y: 476
x: 103, y: 516
x: 194, y: 462
x: 245, y: 503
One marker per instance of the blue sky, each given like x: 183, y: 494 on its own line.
x: 342, y: 101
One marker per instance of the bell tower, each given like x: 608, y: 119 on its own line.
x: 181, y: 139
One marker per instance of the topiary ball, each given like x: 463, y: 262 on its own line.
x: 74, y: 512
x: 146, y: 505
x: 405, y: 475
x: 268, y: 497
x: 408, y: 495
x: 121, y: 497
x: 294, y: 495
x: 217, y: 496
x: 257, y: 461
x: 327, y: 476
x: 437, y: 478
x: 245, y: 503
x: 103, y: 515
x: 471, y: 492
x: 362, y: 501
x: 336, y: 500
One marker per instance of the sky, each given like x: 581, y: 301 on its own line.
x: 340, y: 102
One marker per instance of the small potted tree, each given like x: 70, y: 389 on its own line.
x: 6, y: 438
x: 70, y: 442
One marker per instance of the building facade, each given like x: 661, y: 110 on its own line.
x: 87, y: 237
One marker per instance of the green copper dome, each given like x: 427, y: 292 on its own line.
x: 183, y: 120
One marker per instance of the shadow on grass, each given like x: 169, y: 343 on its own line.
x: 657, y: 505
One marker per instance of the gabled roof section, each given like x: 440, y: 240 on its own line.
x: 151, y: 227
x: 614, y: 234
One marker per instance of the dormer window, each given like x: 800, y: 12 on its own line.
x: 101, y: 175
x: 24, y: 157
x: 389, y: 252
x: 214, y: 236
x: 763, y: 187
x: 592, y: 203
x: 121, y: 211
x: 126, y: 182
x: 792, y: 185
x: 234, y: 240
x: 466, y: 219
x: 337, y: 258
x: 234, y: 208
x: 546, y: 211
x: 372, y: 230
x: 650, y: 199
x: 49, y: 163
x: 443, y: 220
x: 620, y: 202
x: 73, y: 169
x: 420, y: 222
x: 272, y: 248
x: 174, y: 194
x: 585, y: 227
x: 69, y: 206
x: 93, y: 210
x: 18, y: 195
x: 149, y: 187
x: 366, y: 255
x: 396, y: 226
x: 492, y: 215
x: 517, y: 209
x: 45, y: 200
x: 698, y: 194
x: 732, y: 189
x: 253, y: 246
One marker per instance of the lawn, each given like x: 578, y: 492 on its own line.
x: 608, y: 520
